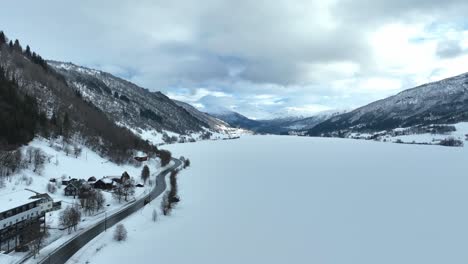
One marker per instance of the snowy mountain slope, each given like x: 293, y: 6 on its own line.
x: 310, y: 122
x: 63, y: 112
x: 212, y: 122
x: 442, y: 102
x: 281, y: 125
x: 236, y: 120
x: 128, y: 103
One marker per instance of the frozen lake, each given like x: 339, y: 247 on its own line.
x: 276, y: 199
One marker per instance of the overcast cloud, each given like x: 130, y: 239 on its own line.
x: 260, y: 58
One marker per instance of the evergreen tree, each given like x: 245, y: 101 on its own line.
x: 18, y: 114
x: 145, y: 173
x: 53, y: 120
x: 17, y: 46
x: 27, y: 52
x: 10, y: 44
x: 66, y: 125
x: 3, y: 38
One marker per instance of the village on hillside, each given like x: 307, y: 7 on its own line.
x: 29, y: 218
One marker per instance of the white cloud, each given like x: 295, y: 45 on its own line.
x: 307, y: 110
x: 260, y: 58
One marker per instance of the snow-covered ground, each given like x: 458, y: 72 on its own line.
x: 461, y: 133
x: 156, y: 137
x: 83, y: 167
x: 279, y: 199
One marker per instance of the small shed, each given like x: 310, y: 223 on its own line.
x: 141, y: 159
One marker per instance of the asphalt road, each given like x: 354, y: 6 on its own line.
x: 67, y: 250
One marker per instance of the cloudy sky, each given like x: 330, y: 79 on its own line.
x: 260, y: 58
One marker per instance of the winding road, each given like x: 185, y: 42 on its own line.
x: 69, y: 248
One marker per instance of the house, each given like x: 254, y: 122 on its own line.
x: 19, y: 212
x: 67, y: 181
x: 105, y: 183
x: 73, y: 188
x: 45, y: 202
x: 56, y: 205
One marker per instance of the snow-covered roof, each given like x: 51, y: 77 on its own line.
x: 107, y: 180
x: 14, y: 199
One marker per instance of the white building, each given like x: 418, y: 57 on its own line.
x: 19, y: 210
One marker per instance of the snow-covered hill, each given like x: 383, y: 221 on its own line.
x: 129, y: 104
x: 442, y: 102
x: 235, y: 119
x: 310, y: 122
x: 213, y: 122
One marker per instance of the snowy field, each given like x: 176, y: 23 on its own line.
x: 278, y: 199
x: 461, y: 133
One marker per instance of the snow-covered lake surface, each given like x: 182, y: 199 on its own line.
x: 278, y: 199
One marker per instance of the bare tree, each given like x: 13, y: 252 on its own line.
x: 124, y: 190
x: 170, y: 198
x: 28, y: 181
x: 120, y: 233
x: 155, y: 215
x: 35, y: 235
x: 39, y: 160
x: 67, y: 149
x: 451, y: 142
x: 118, y: 193
x: 51, y: 188
x: 128, y: 188
x: 165, y: 206
x: 70, y: 217
x: 91, y: 200
x: 10, y: 161
x: 186, y: 163
x: 100, y: 200
x: 165, y: 157
x: 2, y: 182
x: 29, y: 155
x: 77, y: 151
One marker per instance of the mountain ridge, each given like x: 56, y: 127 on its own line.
x: 439, y: 102
x: 136, y: 107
